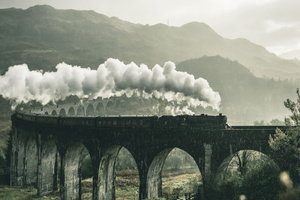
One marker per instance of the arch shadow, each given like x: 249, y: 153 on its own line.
x: 62, y: 112
x: 90, y: 110
x: 54, y: 113
x: 80, y: 111
x: 71, y: 111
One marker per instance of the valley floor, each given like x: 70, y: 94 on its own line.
x: 175, y: 185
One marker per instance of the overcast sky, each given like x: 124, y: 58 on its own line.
x: 274, y: 24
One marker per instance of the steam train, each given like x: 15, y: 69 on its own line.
x: 199, y: 121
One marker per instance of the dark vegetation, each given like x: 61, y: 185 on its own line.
x: 249, y: 173
x: 286, y: 144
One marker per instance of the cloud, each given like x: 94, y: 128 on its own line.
x: 272, y: 23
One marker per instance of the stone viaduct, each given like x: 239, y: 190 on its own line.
x: 37, y: 140
x: 97, y: 107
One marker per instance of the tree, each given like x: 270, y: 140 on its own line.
x: 252, y: 174
x: 259, y: 123
x: 286, y: 144
x: 276, y: 122
x: 294, y: 107
x: 260, y: 182
x: 242, y: 160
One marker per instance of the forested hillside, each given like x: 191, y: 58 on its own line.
x: 245, y: 98
x: 42, y: 37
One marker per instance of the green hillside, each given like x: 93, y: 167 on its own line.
x: 245, y: 98
x: 42, y: 36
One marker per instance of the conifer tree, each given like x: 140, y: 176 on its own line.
x: 286, y: 144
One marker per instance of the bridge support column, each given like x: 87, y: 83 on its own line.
x: 20, y: 160
x: 17, y: 159
x: 46, y: 166
x: 207, y: 161
x: 95, y: 157
x: 106, y: 174
x: 143, y: 170
x: 207, y: 178
x: 31, y: 163
x: 71, y: 179
x: 13, y: 152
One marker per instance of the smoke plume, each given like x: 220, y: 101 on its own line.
x: 113, y: 78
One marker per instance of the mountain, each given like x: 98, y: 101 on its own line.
x: 245, y: 98
x: 42, y: 37
x: 291, y: 55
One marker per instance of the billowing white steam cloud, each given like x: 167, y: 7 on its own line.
x: 113, y: 78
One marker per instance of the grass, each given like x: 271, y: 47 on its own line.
x: 127, y: 187
x: 175, y: 183
x: 87, y: 189
x: 18, y: 193
x: 180, y: 183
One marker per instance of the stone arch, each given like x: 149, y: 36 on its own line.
x: 62, y: 112
x: 71, y: 111
x: 90, y: 110
x: 71, y: 179
x: 80, y: 111
x: 46, y: 167
x: 100, y: 109
x: 154, y: 175
x: 46, y: 113
x: 53, y: 113
x: 109, y: 107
